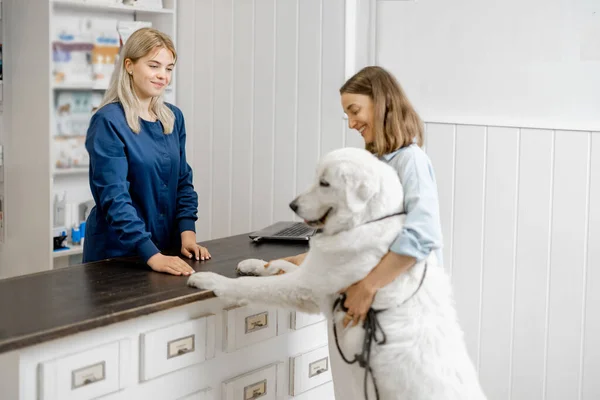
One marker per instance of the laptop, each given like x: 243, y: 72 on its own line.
x: 284, y: 230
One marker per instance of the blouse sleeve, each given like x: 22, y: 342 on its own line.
x: 421, y: 233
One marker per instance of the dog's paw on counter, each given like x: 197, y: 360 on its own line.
x: 253, y: 267
x: 207, y: 281
x: 256, y: 267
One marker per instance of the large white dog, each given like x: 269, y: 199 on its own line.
x: 357, y: 201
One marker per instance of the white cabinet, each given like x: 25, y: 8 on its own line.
x: 244, y: 326
x: 87, y: 374
x: 178, y: 346
x: 309, y: 370
x: 204, y: 394
x: 299, y: 320
x: 264, y: 383
x: 175, y: 354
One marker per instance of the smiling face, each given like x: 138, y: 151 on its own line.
x: 361, y: 114
x: 152, y: 73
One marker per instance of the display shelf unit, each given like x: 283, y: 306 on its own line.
x: 30, y: 103
x: 70, y: 171
x: 73, y: 249
x: 92, y: 6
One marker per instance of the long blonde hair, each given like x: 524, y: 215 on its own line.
x: 120, y: 90
x: 396, y: 123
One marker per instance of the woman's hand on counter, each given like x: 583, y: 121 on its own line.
x: 190, y: 248
x: 170, y: 265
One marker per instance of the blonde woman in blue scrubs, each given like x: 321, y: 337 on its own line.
x: 139, y: 176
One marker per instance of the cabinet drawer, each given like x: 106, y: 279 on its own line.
x: 263, y: 383
x: 87, y: 374
x: 176, y: 346
x: 299, y: 320
x: 248, y: 325
x: 204, y: 394
x: 309, y: 370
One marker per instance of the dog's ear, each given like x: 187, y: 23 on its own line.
x: 359, y: 196
x: 360, y: 187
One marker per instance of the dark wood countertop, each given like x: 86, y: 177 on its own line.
x: 52, y: 304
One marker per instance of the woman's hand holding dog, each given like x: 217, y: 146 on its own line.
x: 359, y: 296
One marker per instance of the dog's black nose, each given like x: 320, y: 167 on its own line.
x: 294, y: 206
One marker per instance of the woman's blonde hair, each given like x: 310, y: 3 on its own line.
x: 120, y: 90
x: 396, y: 123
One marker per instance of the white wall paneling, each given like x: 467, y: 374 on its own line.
x: 222, y: 58
x: 518, y: 221
x: 532, y: 263
x: 468, y: 227
x: 590, y: 345
x: 441, y: 140
x: 286, y: 90
x: 570, y: 213
x: 497, y: 280
x: 264, y: 107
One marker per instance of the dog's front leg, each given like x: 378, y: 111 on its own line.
x: 287, y: 290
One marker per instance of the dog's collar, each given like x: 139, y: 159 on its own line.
x: 385, y: 217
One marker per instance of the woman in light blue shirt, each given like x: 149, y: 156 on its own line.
x: 378, y: 108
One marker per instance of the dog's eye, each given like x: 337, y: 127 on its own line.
x: 323, y: 183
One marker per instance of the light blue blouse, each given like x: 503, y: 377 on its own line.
x: 422, y: 231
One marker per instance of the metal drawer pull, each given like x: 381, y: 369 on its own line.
x: 87, y: 375
x: 181, y: 346
x: 256, y: 322
x: 318, y: 367
x: 255, y: 390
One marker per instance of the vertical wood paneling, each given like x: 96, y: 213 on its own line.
x: 223, y: 117
x: 243, y: 105
x: 530, y: 327
x: 502, y: 160
x: 186, y: 11
x: 567, y: 263
x: 468, y: 230
x: 202, y: 116
x: 533, y: 232
x: 590, y: 352
x: 440, y: 148
x: 331, y: 81
x: 286, y: 107
x: 262, y: 148
x: 309, y: 92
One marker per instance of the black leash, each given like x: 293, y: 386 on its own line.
x: 372, y: 328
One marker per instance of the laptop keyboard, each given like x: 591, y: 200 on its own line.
x: 298, y: 229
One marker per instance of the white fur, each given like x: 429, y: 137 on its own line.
x: 425, y: 356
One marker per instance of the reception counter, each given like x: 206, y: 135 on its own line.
x: 117, y: 330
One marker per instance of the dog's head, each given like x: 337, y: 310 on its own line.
x: 351, y: 187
